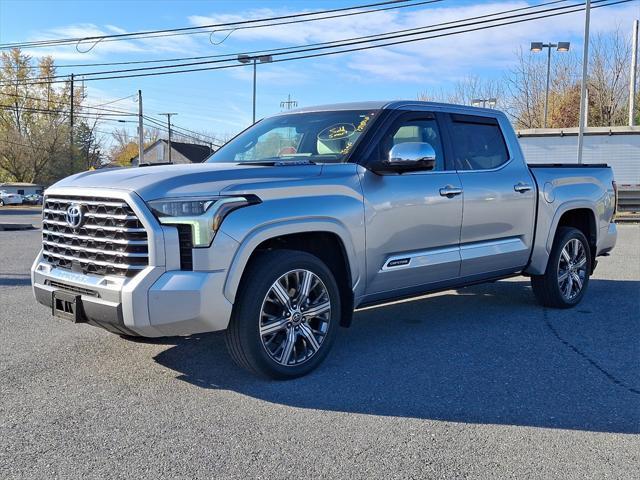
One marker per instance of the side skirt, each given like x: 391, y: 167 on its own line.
x: 419, y: 290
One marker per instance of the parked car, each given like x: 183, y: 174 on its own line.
x: 311, y: 213
x: 33, y: 199
x: 7, y: 198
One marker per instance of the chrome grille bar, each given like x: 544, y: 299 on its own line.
x: 96, y: 227
x: 93, y: 215
x: 95, y: 239
x: 112, y: 253
x: 96, y: 262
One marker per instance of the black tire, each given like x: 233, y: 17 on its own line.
x: 243, y: 339
x: 546, y: 287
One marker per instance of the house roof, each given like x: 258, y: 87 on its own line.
x: 19, y: 184
x: 196, y: 153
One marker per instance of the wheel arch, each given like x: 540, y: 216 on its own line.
x: 580, y: 215
x: 321, y: 238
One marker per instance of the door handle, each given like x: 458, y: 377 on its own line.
x: 450, y: 191
x: 521, y: 187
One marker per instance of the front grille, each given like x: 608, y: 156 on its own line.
x: 110, y: 240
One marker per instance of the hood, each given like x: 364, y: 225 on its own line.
x: 165, y: 181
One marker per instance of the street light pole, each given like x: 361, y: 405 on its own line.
x: 583, y: 90
x: 249, y: 59
x: 254, y: 90
x: 546, y: 93
x: 537, y: 47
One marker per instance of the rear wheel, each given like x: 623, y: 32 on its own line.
x: 286, y: 315
x: 567, y: 275
x: 1, y: 203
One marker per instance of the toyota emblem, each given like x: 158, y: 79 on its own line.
x: 74, y: 216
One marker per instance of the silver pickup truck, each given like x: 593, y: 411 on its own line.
x: 310, y: 214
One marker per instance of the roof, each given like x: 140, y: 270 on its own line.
x: 194, y: 152
x: 19, y: 184
x: 390, y: 105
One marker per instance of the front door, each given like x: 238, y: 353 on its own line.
x: 412, y: 219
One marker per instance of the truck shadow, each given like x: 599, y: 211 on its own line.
x: 484, y: 354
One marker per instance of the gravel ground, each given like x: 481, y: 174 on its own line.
x: 475, y: 383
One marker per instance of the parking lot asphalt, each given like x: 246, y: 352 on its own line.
x: 479, y: 382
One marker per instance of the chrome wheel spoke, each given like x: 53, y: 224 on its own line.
x: 274, y: 327
x: 581, y: 263
x: 287, y: 346
x: 565, y: 254
x: 281, y: 294
x: 563, y: 276
x: 577, y: 280
x: 305, y: 286
x: 308, y: 335
x: 319, y: 309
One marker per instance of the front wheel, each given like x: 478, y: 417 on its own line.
x: 567, y: 275
x: 286, y: 315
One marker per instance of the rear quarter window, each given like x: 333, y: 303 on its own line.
x: 478, y: 143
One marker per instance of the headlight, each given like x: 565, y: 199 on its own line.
x: 204, y: 215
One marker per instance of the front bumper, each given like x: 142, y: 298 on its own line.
x: 160, y: 300
x: 154, y: 303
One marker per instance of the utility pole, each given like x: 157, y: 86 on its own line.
x: 71, y: 123
x: 288, y: 104
x: 169, y: 129
x: 140, y: 130
x: 633, y: 75
x: 583, y: 90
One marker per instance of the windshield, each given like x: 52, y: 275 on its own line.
x: 319, y: 137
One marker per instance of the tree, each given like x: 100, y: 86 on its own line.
x: 34, y: 127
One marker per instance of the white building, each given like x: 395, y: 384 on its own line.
x: 22, y: 188
x: 619, y: 147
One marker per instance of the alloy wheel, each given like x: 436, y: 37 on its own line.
x: 294, y: 318
x: 572, y: 269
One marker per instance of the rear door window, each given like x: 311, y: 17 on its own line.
x: 478, y: 143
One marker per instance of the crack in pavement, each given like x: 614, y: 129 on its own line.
x: 611, y: 377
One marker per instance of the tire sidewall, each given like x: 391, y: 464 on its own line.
x: 264, y: 272
x: 565, y: 236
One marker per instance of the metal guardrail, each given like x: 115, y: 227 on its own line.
x: 628, y: 200
x: 628, y: 205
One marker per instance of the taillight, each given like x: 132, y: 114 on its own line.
x: 615, y: 197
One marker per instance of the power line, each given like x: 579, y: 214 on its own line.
x: 557, y: 11
x: 338, y: 43
x: 200, y: 28
x: 563, y: 11
x: 234, y: 55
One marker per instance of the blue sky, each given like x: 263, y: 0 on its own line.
x: 220, y: 101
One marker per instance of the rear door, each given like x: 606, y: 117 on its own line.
x: 412, y: 224
x: 498, y: 199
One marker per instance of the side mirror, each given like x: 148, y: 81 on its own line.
x: 411, y: 156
